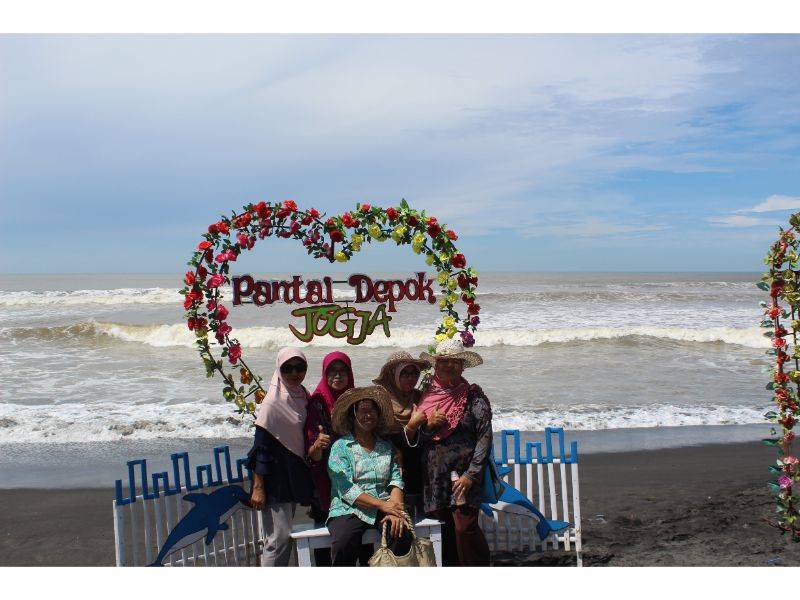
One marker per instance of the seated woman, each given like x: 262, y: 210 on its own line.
x: 399, y: 376
x: 366, y: 486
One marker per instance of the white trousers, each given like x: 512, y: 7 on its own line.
x: 277, y: 518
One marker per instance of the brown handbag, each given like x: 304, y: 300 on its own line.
x: 419, y: 555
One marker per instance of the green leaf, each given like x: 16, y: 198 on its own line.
x: 774, y: 487
x: 770, y: 385
x: 763, y: 285
x: 770, y: 441
x: 775, y: 470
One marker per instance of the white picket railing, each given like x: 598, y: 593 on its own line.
x: 152, y: 507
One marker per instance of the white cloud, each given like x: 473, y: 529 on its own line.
x: 774, y: 203
x: 743, y: 221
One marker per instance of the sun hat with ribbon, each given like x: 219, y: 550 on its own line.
x: 398, y: 358
x: 377, y: 394
x: 453, y: 348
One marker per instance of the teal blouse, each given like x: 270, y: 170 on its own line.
x: 355, y: 471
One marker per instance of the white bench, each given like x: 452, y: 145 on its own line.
x: 309, y: 539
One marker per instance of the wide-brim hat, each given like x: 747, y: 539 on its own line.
x: 453, y: 348
x: 397, y: 358
x: 376, y: 393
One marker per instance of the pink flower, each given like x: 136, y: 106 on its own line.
x: 242, y: 239
x: 234, y: 353
x: 785, y: 482
x: 790, y: 460
x: 467, y: 339
x: 221, y: 257
x: 216, y: 280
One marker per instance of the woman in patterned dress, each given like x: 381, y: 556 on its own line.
x: 462, y: 446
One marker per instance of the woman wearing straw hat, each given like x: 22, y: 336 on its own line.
x: 399, y: 376
x: 281, y: 479
x: 366, y: 485
x: 455, y: 454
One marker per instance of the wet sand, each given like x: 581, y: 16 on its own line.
x: 702, y: 505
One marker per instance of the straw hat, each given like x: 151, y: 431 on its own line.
x: 396, y: 358
x: 453, y: 348
x: 376, y: 393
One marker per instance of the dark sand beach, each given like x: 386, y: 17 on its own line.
x: 691, y: 506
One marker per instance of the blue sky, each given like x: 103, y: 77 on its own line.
x: 558, y: 153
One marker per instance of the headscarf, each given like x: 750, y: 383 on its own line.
x: 449, y: 399
x: 283, y: 411
x: 402, y: 402
x: 323, y: 389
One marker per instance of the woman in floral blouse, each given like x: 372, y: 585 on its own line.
x: 366, y: 486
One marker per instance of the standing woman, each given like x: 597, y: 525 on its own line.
x: 281, y: 479
x: 399, y: 376
x: 337, y: 377
x: 456, y: 442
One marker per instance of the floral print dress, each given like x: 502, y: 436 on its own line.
x: 464, y: 451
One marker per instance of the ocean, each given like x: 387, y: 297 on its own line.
x: 107, y: 360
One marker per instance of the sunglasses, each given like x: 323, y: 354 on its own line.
x: 295, y: 368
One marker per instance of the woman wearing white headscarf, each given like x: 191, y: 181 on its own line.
x: 281, y: 478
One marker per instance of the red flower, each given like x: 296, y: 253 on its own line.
x: 364, y: 208
x: 224, y: 329
x: 774, y: 311
x: 467, y: 299
x: 191, y: 323
x: 201, y: 272
x: 208, y: 255
x: 330, y: 224
x: 234, y: 353
x: 263, y: 210
x: 221, y: 257
x: 243, y: 221
x: 434, y: 230
x: 189, y: 278
x: 216, y: 280
x: 782, y: 357
x: 337, y: 235
x: 221, y: 314
x: 212, y: 229
x: 349, y: 221
x: 306, y: 220
x: 463, y: 282
x: 283, y: 213
x: 313, y: 213
x: 265, y: 231
x: 307, y: 241
x: 204, y: 245
x: 412, y: 220
x: 222, y: 227
x: 778, y: 342
x: 781, y: 377
x: 284, y: 234
x: 391, y: 213
x: 475, y: 321
x: 242, y: 239
x: 458, y: 261
x: 432, y: 221
x: 198, y: 323
x: 452, y: 235
x: 294, y: 226
x: 473, y: 309
x: 781, y: 332
x: 290, y: 204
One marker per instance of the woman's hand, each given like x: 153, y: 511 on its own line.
x: 436, y: 419
x: 322, y: 443
x: 393, y: 507
x: 462, y: 486
x: 257, y: 498
x: 417, y: 420
x: 397, y: 525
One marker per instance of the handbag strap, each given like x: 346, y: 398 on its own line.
x: 410, y: 525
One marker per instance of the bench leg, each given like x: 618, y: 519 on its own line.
x: 303, y: 553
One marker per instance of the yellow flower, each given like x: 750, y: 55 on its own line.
x: 444, y: 257
x: 240, y: 401
x: 251, y: 408
x: 355, y: 247
x: 449, y: 322
x: 452, y: 283
x: 400, y: 230
x: 341, y: 256
x: 416, y: 249
x: 356, y: 238
x: 397, y: 236
x: 452, y: 298
x: 442, y: 278
x: 428, y: 259
x: 375, y: 230
x: 450, y: 332
x: 419, y: 239
x: 440, y: 337
x: 443, y: 303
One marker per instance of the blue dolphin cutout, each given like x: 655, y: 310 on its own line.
x: 208, y: 516
x: 510, y: 499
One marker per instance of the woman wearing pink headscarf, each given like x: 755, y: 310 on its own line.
x: 337, y: 378
x: 281, y: 479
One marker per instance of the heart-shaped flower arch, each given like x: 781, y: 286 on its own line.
x: 227, y: 238
x: 782, y: 281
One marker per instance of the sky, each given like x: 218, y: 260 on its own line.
x: 544, y: 152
